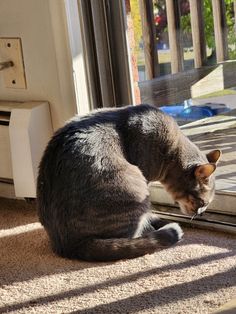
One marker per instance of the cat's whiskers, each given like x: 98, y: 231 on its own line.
x: 194, y: 216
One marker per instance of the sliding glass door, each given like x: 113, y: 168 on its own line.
x: 178, y: 55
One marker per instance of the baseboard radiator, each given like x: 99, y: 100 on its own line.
x: 25, y: 128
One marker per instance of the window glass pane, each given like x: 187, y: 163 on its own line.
x: 193, y: 45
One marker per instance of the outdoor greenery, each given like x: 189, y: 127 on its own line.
x: 161, y: 23
x: 231, y: 23
x: 209, y: 26
x: 137, y: 24
x: 224, y: 92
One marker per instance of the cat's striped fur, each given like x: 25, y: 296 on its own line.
x: 92, y: 192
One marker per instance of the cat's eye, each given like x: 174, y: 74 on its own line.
x: 202, y: 203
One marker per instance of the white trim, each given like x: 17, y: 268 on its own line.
x: 77, y: 55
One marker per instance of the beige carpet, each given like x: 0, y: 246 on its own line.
x: 196, y: 276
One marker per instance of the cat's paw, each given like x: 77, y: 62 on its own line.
x: 170, y: 233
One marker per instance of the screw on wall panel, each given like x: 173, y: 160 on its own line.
x: 5, y: 65
x: 11, y: 50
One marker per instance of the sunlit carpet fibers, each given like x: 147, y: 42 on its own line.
x: 196, y: 276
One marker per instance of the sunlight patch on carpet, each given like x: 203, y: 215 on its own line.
x: 20, y: 229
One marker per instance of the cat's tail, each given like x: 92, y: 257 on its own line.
x: 125, y: 248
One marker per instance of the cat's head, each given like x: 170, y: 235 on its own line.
x: 197, y: 188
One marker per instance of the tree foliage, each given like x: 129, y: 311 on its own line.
x: 160, y: 7
x: 135, y: 13
x: 209, y: 26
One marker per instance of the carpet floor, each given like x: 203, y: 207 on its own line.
x: 196, y: 276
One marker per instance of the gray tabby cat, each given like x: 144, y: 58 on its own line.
x: 92, y: 191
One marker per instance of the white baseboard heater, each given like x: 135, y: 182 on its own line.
x: 25, y: 128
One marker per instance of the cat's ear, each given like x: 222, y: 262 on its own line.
x: 204, y: 171
x: 214, y: 156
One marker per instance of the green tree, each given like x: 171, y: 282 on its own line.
x: 209, y: 26
x: 135, y: 13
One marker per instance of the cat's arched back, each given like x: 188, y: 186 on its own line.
x: 92, y: 192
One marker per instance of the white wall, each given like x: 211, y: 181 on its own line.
x: 42, y: 27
